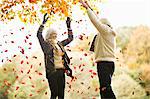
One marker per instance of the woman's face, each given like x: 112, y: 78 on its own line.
x: 53, y: 36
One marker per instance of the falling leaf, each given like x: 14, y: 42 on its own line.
x: 25, y: 41
x: 90, y: 70
x: 80, y: 58
x: 85, y: 54
x: 17, y: 77
x: 28, y: 71
x: 12, y: 41
x: 33, y: 86
x: 82, y: 70
x: 82, y: 83
x: 10, y: 60
x: 4, y: 69
x: 79, y: 66
x: 94, y: 73
x: 27, y: 37
x: 40, y: 73
x: 23, y: 83
x: 34, y: 57
x: 31, y: 66
x: 30, y: 43
x: 22, y: 28
x: 21, y: 71
x: 30, y: 95
x: 27, y: 62
x: 45, y: 93
x: 81, y: 37
x: 96, y: 89
x: 22, y: 62
x: 29, y: 77
x: 75, y: 67
x: 17, y: 87
x: 6, y: 51
x: 70, y: 86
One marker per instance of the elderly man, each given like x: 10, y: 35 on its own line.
x: 103, y: 46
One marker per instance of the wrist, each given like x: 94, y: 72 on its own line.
x: 89, y: 8
x: 68, y: 26
x: 42, y: 24
x: 69, y: 29
x: 86, y: 7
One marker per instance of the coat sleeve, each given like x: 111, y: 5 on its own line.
x: 41, y: 39
x: 102, y: 28
x: 68, y: 40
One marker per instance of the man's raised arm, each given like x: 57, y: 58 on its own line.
x: 102, y: 28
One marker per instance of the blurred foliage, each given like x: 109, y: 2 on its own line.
x: 138, y: 47
x: 137, y: 56
x: 19, y: 80
x: 7, y: 79
x: 123, y: 36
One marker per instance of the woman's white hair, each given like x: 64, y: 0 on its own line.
x: 49, y: 32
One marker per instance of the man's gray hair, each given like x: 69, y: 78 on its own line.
x: 105, y: 21
x: 49, y: 32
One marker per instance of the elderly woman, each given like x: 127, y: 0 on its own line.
x: 56, y: 59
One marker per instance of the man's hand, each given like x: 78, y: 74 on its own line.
x: 87, y: 4
x: 45, y: 18
x: 84, y: 4
x: 68, y: 22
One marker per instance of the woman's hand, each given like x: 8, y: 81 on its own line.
x: 68, y: 22
x: 69, y: 72
x: 45, y: 18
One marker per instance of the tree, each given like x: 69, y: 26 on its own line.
x: 28, y: 10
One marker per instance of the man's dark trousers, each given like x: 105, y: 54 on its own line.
x: 105, y: 71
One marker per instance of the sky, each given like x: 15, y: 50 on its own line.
x: 119, y: 13
x: 127, y: 12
